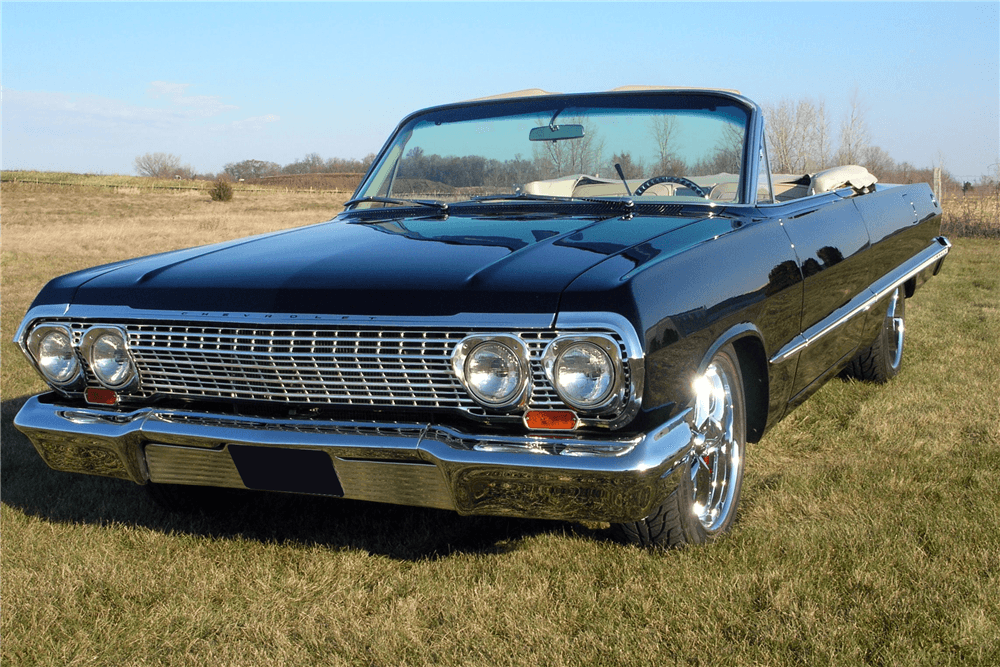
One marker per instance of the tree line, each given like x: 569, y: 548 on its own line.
x: 168, y: 165
x: 310, y: 164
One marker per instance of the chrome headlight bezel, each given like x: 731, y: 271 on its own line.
x: 89, y: 347
x: 608, y: 348
x: 465, y: 352
x: 33, y: 344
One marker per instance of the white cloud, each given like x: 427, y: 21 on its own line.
x: 38, y: 109
x: 203, y: 106
x: 42, y: 110
x: 165, y: 89
x: 254, y: 123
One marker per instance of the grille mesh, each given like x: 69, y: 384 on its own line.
x: 392, y: 368
x: 401, y: 368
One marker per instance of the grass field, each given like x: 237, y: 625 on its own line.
x: 869, y: 532
x: 339, y: 182
x: 973, y: 215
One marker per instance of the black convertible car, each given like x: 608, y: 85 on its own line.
x: 574, y: 307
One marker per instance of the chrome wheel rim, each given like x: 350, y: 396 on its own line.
x: 896, y: 329
x: 717, y: 460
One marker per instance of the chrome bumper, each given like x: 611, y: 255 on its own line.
x: 569, y: 477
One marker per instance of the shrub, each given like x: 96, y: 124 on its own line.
x: 221, y: 191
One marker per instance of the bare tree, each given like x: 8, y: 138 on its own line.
x: 781, y: 131
x: 878, y: 162
x: 160, y: 165
x: 798, y: 136
x: 821, y: 139
x: 664, y: 131
x: 727, y: 157
x: 853, y: 133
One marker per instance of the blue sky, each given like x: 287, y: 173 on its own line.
x: 87, y: 87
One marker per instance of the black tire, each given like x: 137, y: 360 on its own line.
x: 883, y: 359
x: 698, y: 511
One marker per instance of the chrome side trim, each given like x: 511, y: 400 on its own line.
x: 875, y: 292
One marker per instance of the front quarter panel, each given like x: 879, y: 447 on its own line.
x: 690, y: 288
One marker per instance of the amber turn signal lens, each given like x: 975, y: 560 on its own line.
x: 101, y: 396
x: 553, y: 420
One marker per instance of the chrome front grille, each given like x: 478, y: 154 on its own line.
x: 323, y: 366
x: 345, y: 367
x: 390, y: 368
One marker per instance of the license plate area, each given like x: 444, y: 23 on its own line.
x: 289, y: 470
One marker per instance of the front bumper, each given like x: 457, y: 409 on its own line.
x: 571, y: 477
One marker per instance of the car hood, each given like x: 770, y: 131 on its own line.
x: 399, y: 267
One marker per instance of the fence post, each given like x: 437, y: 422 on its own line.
x: 937, y: 183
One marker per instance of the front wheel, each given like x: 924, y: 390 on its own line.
x: 703, y: 506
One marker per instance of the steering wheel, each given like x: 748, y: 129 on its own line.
x: 670, y: 179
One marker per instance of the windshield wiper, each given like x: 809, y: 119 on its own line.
x: 519, y: 195
x: 439, y: 205
x: 523, y: 196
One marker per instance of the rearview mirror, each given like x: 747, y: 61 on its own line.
x: 555, y: 132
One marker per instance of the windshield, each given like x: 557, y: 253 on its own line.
x: 667, y: 147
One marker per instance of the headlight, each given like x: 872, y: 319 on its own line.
x: 493, y: 372
x: 493, y: 369
x: 583, y: 375
x: 108, y: 357
x: 52, y: 349
x: 585, y: 370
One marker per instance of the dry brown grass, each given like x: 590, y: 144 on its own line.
x: 973, y: 215
x: 341, y: 183
x: 43, y: 218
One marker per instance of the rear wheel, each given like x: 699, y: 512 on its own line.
x: 703, y: 506
x: 882, y: 360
